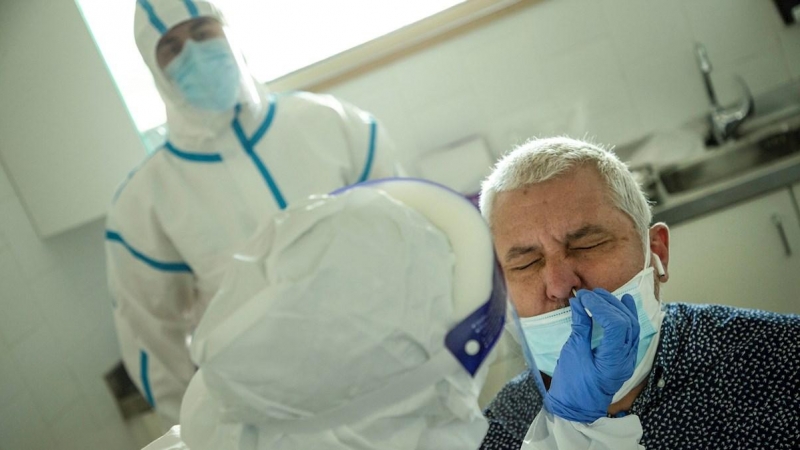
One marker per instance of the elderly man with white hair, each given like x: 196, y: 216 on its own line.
x: 571, y: 227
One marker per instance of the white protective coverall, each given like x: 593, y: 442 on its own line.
x: 177, y: 220
x: 362, y: 320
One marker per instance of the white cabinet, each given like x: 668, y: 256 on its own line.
x: 747, y: 255
x: 66, y: 138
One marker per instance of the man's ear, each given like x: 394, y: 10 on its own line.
x: 659, y: 245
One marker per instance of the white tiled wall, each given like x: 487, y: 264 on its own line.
x: 56, y: 338
x: 613, y: 69
x: 609, y: 69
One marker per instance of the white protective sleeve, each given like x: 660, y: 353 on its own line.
x: 151, y: 292
x: 549, y: 432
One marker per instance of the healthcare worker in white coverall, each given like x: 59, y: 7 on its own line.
x: 360, y: 320
x: 236, y: 155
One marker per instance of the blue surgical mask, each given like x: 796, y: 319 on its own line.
x: 546, y: 334
x: 206, y: 74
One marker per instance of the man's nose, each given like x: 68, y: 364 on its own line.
x: 560, y: 279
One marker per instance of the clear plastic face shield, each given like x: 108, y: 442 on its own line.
x: 204, y: 68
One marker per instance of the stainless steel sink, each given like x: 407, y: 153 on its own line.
x: 731, y: 162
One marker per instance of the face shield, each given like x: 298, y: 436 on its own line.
x: 363, y: 319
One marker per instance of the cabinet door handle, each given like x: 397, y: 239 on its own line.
x: 778, y: 221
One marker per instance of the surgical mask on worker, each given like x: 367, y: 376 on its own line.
x: 206, y: 74
x: 546, y: 334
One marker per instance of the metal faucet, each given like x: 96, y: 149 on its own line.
x: 723, y: 121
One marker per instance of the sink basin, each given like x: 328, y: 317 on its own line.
x: 731, y: 162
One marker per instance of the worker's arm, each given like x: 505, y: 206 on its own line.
x: 151, y: 288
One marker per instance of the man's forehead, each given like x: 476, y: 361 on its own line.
x: 577, y: 188
x: 563, y: 209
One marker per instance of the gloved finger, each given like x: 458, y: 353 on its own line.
x: 581, y: 322
x: 628, y: 308
x: 627, y: 300
x: 608, y: 313
x: 609, y: 296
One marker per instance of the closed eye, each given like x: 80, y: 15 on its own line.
x: 526, y: 265
x: 589, y: 247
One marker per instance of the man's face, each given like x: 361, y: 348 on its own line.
x: 198, y: 30
x: 562, y: 234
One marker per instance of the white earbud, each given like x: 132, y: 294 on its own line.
x: 659, y: 267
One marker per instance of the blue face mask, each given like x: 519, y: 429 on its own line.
x: 546, y: 334
x: 206, y: 74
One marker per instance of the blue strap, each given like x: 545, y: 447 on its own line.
x: 249, y: 148
x: 151, y: 13
x: 373, y: 131
x: 194, y: 157
x: 148, y: 394
x: 191, y: 7
x: 262, y: 129
x: 163, y: 266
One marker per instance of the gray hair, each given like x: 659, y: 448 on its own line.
x: 539, y: 160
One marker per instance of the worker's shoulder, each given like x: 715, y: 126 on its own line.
x: 301, y: 102
x: 305, y: 98
x: 141, y: 178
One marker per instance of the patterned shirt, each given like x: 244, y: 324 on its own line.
x: 723, y: 378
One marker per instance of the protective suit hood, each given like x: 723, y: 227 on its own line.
x: 188, y: 126
x: 341, y: 328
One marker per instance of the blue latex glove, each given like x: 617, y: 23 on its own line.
x: 585, y: 380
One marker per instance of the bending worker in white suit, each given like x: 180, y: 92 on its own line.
x: 361, y: 320
x: 235, y: 156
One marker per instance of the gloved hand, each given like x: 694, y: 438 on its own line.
x: 585, y: 380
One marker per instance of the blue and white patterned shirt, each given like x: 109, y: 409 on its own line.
x: 723, y: 378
